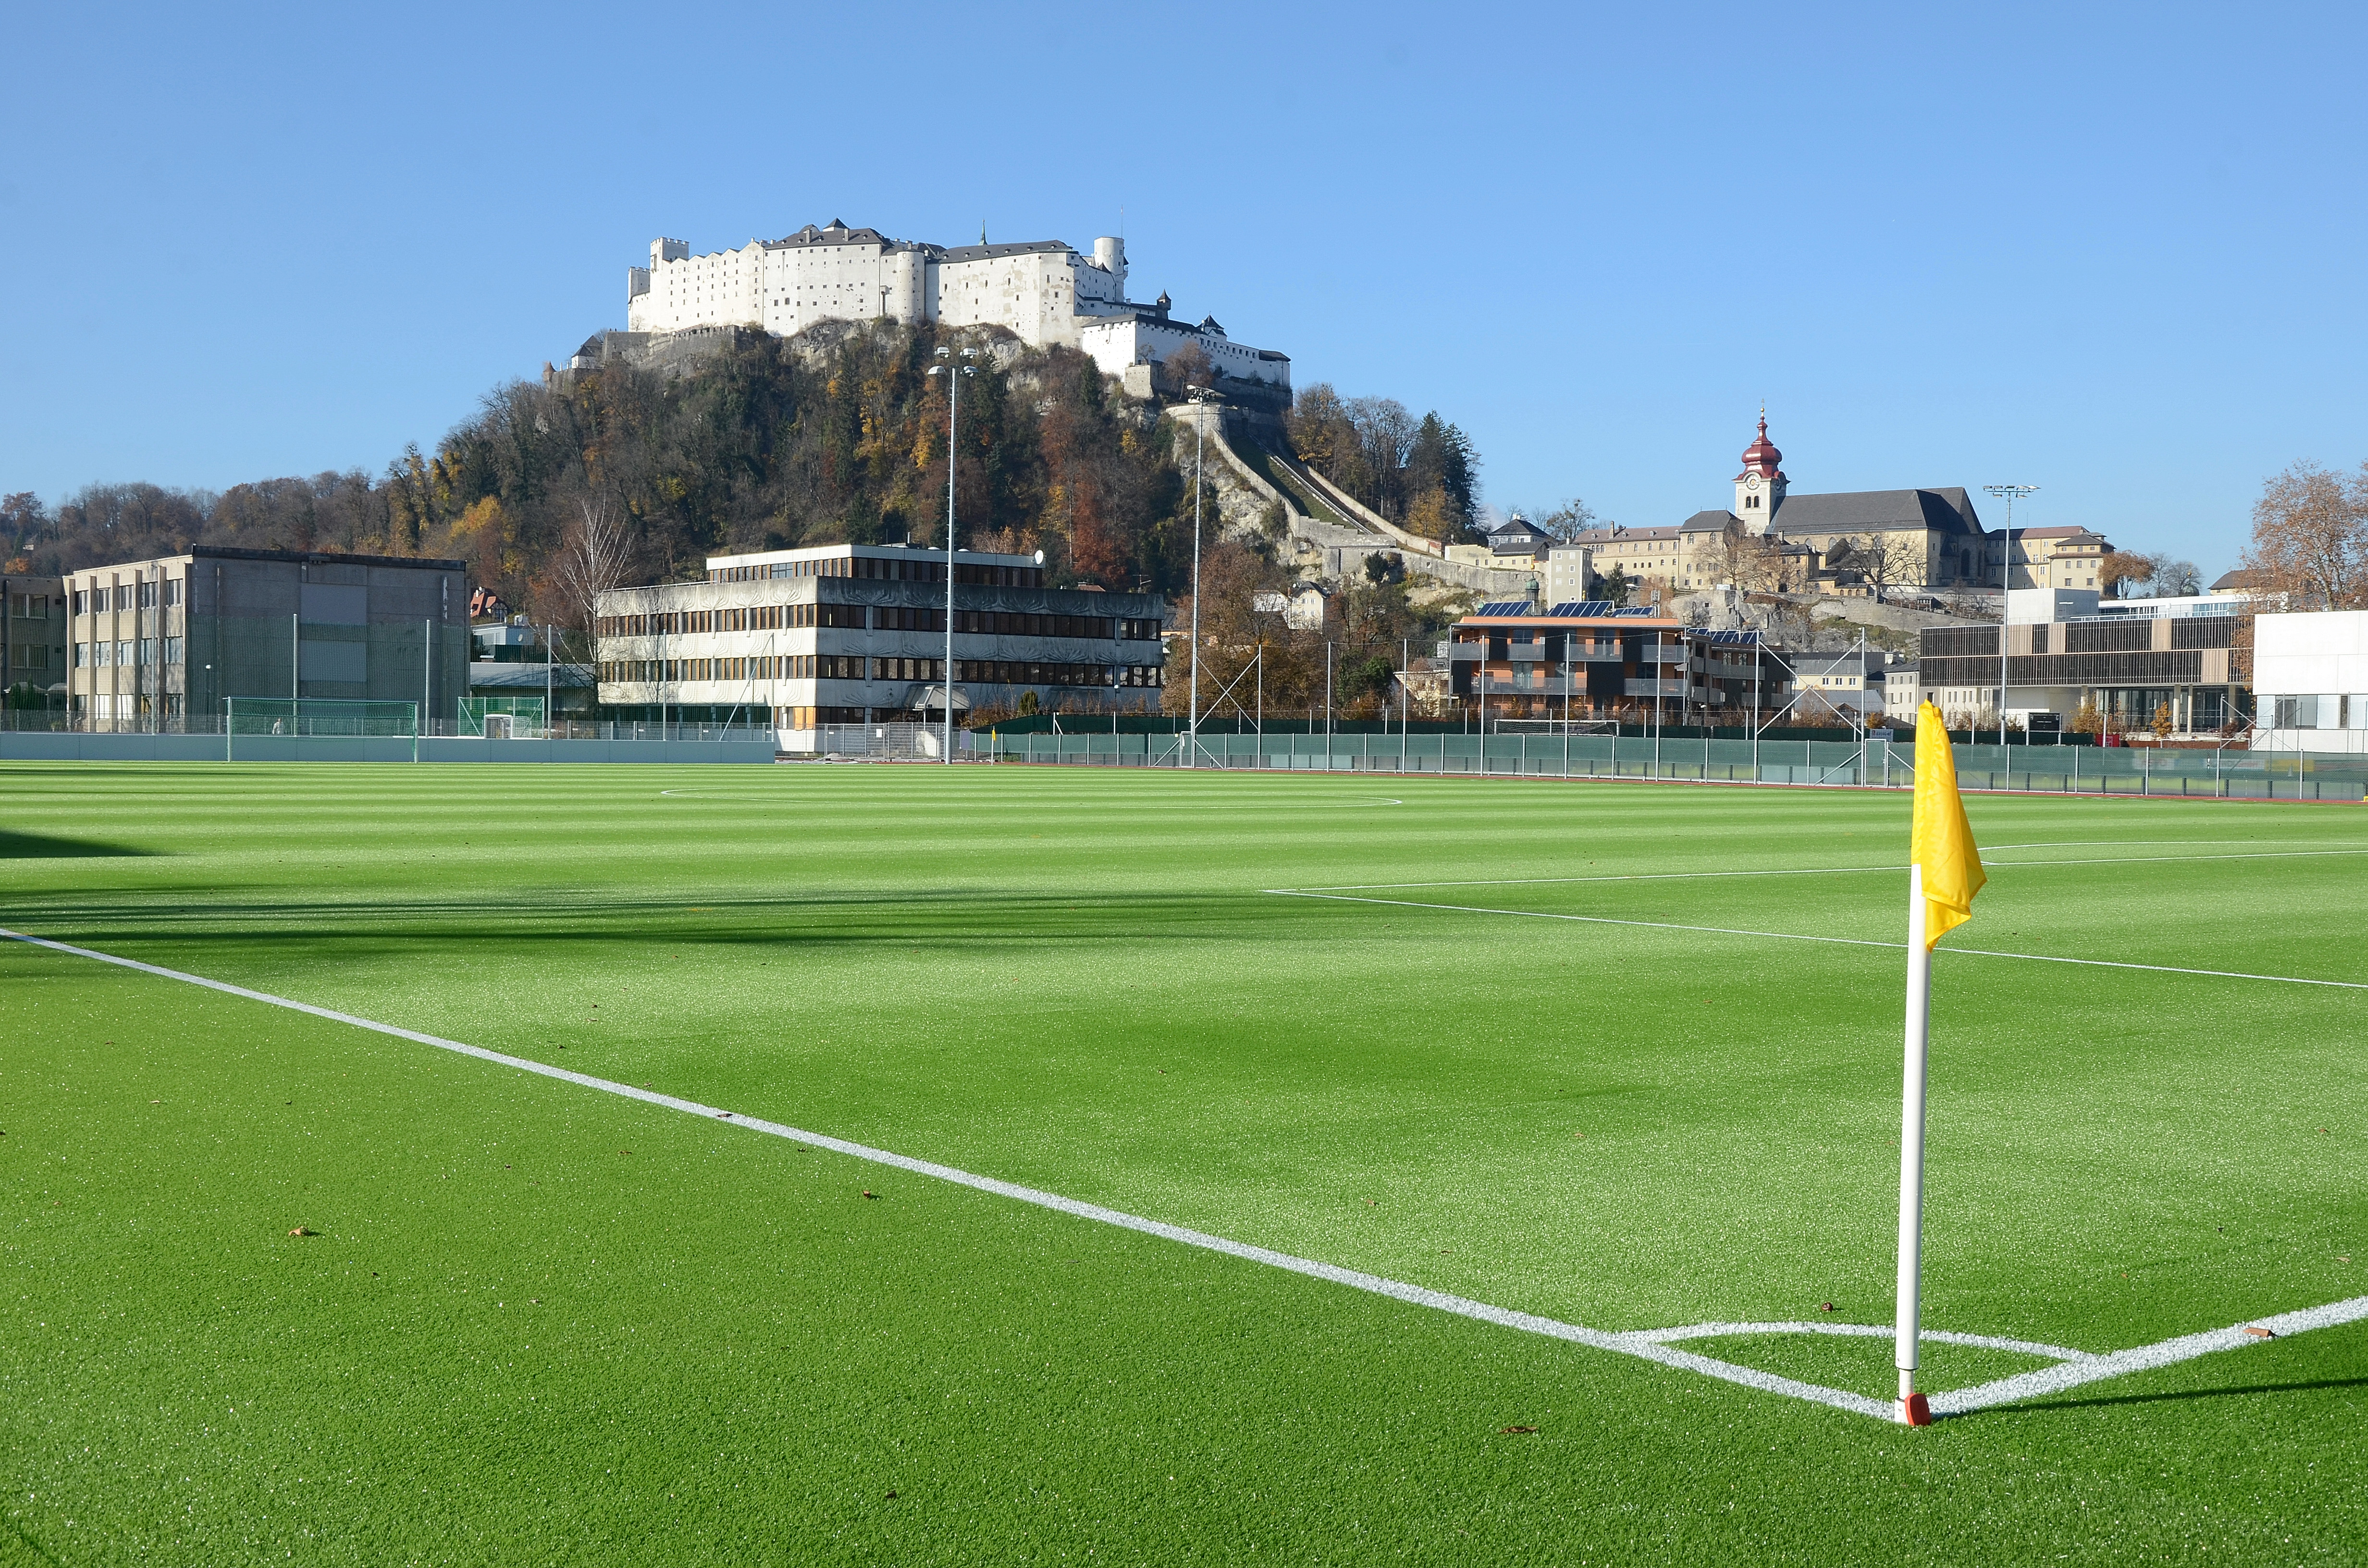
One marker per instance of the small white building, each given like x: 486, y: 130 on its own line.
x: 2310, y: 682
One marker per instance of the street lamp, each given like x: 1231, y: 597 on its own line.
x: 954, y: 374
x: 2012, y: 492
x: 1200, y: 397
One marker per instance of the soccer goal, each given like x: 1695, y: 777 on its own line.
x: 504, y: 717
x: 317, y: 718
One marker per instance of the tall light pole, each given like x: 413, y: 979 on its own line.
x: 1200, y: 398
x: 2012, y: 492
x: 953, y: 402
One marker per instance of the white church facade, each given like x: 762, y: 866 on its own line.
x: 1044, y: 291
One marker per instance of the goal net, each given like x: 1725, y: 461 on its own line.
x: 321, y: 716
x: 503, y: 718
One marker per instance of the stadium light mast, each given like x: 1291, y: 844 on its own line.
x: 1200, y: 397
x: 2012, y: 492
x: 953, y: 402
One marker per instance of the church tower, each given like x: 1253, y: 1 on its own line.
x: 1759, y: 488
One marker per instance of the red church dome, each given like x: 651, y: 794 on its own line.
x: 1762, y: 457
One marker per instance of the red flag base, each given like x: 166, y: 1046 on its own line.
x: 1915, y: 1412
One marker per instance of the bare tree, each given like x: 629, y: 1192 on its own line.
x: 594, y: 557
x: 1568, y: 520
x: 2310, y: 538
x: 2176, y: 579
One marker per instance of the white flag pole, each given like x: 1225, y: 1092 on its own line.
x: 1912, y: 1407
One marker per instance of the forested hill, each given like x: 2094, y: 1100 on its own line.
x: 837, y: 434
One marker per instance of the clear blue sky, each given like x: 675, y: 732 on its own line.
x: 2115, y: 252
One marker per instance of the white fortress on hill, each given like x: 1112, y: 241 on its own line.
x: 1043, y: 291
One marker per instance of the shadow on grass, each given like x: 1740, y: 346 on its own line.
x: 14, y: 846
x: 2198, y: 1394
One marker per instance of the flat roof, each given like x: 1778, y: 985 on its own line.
x: 307, y: 557
x: 879, y: 552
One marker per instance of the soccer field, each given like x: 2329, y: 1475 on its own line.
x: 1549, y: 1068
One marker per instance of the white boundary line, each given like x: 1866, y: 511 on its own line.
x: 1646, y: 1345
x: 1798, y: 936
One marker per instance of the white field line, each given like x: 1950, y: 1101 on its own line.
x: 1798, y: 936
x: 1646, y: 1345
x: 1810, y: 870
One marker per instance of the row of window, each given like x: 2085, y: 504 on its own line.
x: 857, y: 666
x: 883, y: 569
x: 2318, y: 712
x: 129, y: 653
x: 883, y: 618
x: 30, y: 655
x: 30, y: 607
x: 97, y: 601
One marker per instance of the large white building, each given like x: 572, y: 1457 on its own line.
x: 1043, y: 291
x: 2310, y: 682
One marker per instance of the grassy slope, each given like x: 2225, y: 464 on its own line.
x: 516, y: 1342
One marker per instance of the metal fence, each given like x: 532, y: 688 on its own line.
x: 1873, y: 764
x: 33, y: 722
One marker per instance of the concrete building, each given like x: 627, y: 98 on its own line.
x: 155, y: 643
x: 1569, y: 573
x: 1590, y: 660
x: 2311, y: 682
x: 1045, y: 291
x: 33, y: 642
x: 854, y: 634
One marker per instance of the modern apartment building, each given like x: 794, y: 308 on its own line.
x: 2129, y: 665
x: 1591, y: 660
x: 154, y: 643
x: 853, y: 634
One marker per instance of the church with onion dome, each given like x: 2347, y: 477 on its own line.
x: 1929, y: 537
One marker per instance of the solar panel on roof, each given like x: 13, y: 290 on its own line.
x: 1580, y: 609
x: 1507, y: 607
x: 1636, y: 610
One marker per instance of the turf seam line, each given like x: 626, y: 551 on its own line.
x: 1809, y: 870
x: 1643, y: 1344
x: 1799, y: 937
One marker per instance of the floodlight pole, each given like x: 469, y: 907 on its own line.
x: 1199, y: 397
x: 2012, y: 492
x: 953, y: 465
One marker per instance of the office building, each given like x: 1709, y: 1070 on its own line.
x: 156, y: 644
x: 853, y: 634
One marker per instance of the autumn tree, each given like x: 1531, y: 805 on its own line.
x: 2310, y: 538
x: 2121, y: 571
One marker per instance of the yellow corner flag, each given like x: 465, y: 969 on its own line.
x: 1942, y: 841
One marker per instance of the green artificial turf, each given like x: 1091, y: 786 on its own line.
x: 540, y: 1324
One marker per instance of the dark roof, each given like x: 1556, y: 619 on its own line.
x: 1947, y: 509
x: 1708, y: 523
x: 1607, y: 536
x: 988, y: 253
x: 2231, y: 581
x: 837, y: 233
